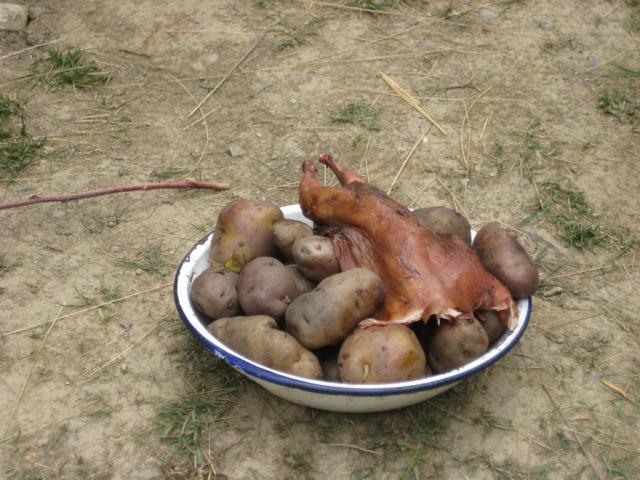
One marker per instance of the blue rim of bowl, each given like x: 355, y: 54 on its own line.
x: 261, y: 372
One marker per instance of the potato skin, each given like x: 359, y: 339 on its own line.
x: 266, y: 287
x: 304, y: 284
x: 382, y: 354
x: 490, y: 321
x: 456, y: 343
x: 445, y: 220
x: 315, y: 257
x: 332, y: 310
x: 214, y: 295
x: 504, y: 258
x: 258, y: 338
x: 244, y: 231
x: 286, y: 232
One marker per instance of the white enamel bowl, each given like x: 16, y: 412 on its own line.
x: 338, y: 397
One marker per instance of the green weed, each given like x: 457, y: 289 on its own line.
x: 182, y: 422
x: 150, y: 261
x: 7, y: 265
x: 17, y: 148
x: 359, y: 113
x: 70, y: 67
x: 568, y: 211
x: 619, y: 104
x: 295, y: 34
x: 167, y: 173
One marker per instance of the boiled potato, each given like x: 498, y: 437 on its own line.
x: 244, y: 231
x: 382, y: 354
x: 332, y: 310
x: 315, y: 257
x: 445, y: 220
x: 455, y: 343
x: 304, y: 284
x: 490, y: 321
x: 214, y: 295
x: 258, y: 338
x: 286, y: 231
x: 266, y: 287
x: 504, y: 257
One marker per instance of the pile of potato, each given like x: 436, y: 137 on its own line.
x: 276, y: 295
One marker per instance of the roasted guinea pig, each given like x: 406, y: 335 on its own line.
x: 425, y: 274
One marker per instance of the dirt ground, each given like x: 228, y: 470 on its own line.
x: 540, y: 101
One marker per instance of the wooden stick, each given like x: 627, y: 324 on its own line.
x: 409, y: 155
x: 235, y: 67
x: 406, y: 96
x: 186, y: 183
x: 564, y: 419
x: 617, y: 389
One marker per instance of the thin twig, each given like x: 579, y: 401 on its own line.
x: 355, y: 447
x: 617, y: 389
x: 235, y: 67
x: 408, y: 157
x: 564, y: 419
x: 357, y: 9
x: 186, y: 183
x: 195, y: 122
x: 84, y: 310
x: 456, y: 203
x: 33, y: 365
x: 203, y: 118
x: 87, y: 375
x: 406, y: 96
x: 13, y: 54
x: 417, y: 197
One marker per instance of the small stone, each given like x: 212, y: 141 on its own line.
x: 43, y: 442
x: 139, y: 272
x: 126, y: 324
x: 489, y: 13
x: 13, y: 17
x: 124, y: 368
x: 552, y: 292
x: 592, y: 62
x: 235, y: 151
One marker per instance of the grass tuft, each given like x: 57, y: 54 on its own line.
x: 359, y: 113
x: 167, y: 173
x: 183, y: 422
x: 575, y: 221
x: 70, y: 67
x: 150, y: 261
x: 294, y: 35
x: 620, y: 105
x: 17, y: 148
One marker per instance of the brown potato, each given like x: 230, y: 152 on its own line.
x: 304, y: 284
x: 490, y: 321
x: 259, y: 339
x: 453, y: 344
x: 315, y: 257
x: 232, y: 276
x: 266, y: 287
x: 286, y: 231
x: 504, y: 257
x: 445, y: 220
x: 244, y: 231
x: 382, y: 354
x: 214, y: 295
x: 329, y: 313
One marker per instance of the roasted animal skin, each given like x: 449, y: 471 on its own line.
x: 425, y: 274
